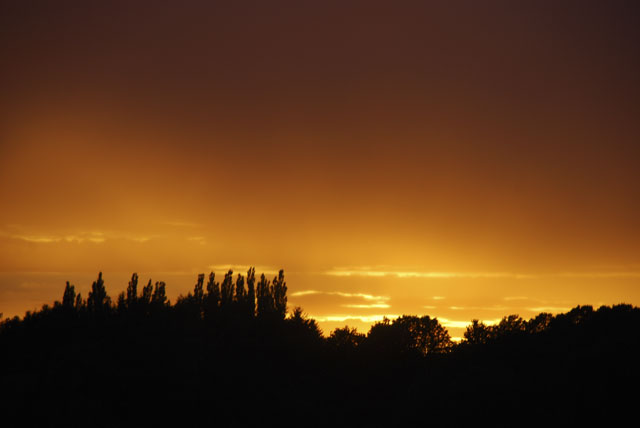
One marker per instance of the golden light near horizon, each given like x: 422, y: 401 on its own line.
x: 415, y: 159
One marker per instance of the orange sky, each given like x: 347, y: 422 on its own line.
x: 459, y: 160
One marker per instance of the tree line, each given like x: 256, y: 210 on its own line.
x: 229, y: 352
x: 267, y: 298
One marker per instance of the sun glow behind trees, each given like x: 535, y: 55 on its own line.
x: 406, y: 151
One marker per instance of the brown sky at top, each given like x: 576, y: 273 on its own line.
x: 450, y: 136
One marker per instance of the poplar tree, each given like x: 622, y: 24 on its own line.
x: 279, y: 293
x: 264, y: 297
x: 132, y: 291
x: 98, y: 299
x: 147, y: 293
x: 198, y: 289
x: 251, y: 292
x: 240, y: 290
x: 69, y: 296
x: 159, y: 296
x: 212, y: 299
x: 226, y: 290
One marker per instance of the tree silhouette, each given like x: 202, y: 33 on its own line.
x: 108, y: 370
x: 198, y: 290
x: 98, y: 300
x: 159, y: 297
x: 80, y: 303
x: 346, y: 338
x: 303, y: 327
x: 132, y: 291
x: 279, y: 295
x: 251, y: 292
x: 240, y: 290
x: 69, y: 296
x: 147, y: 294
x: 264, y: 298
x: 539, y: 323
x: 226, y: 290
x: 212, y: 299
x: 477, y: 333
x: 422, y: 335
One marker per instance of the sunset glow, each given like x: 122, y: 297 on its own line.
x: 462, y: 162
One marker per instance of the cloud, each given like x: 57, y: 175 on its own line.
x: 366, y: 271
x: 78, y: 237
x: 304, y: 293
x: 37, y: 239
x: 361, y: 318
x: 479, y: 308
x: 369, y: 272
x: 463, y: 324
x: 379, y: 317
x: 611, y: 274
x: 373, y: 299
x: 95, y: 236
x: 374, y: 305
x: 356, y: 301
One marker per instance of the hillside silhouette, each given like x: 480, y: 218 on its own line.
x: 230, y: 354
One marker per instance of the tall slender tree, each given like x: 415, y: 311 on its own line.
x: 198, y: 289
x: 279, y: 293
x: 240, y: 291
x: 251, y: 292
x: 98, y: 299
x: 159, y: 297
x: 147, y: 293
x: 80, y: 302
x: 212, y: 298
x: 132, y: 291
x: 226, y: 290
x: 69, y: 296
x: 264, y: 297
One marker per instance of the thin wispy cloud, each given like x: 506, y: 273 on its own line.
x: 370, y: 300
x: 362, y: 300
x: 369, y: 272
x: 339, y: 293
x: 78, y: 237
x: 587, y: 275
x: 463, y: 324
x: 36, y: 239
x: 479, y: 308
x: 362, y: 318
x: 366, y: 271
x: 304, y: 293
x: 374, y: 305
x: 449, y: 323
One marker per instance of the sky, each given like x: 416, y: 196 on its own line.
x: 459, y: 159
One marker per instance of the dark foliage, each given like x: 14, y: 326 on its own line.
x: 226, y: 354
